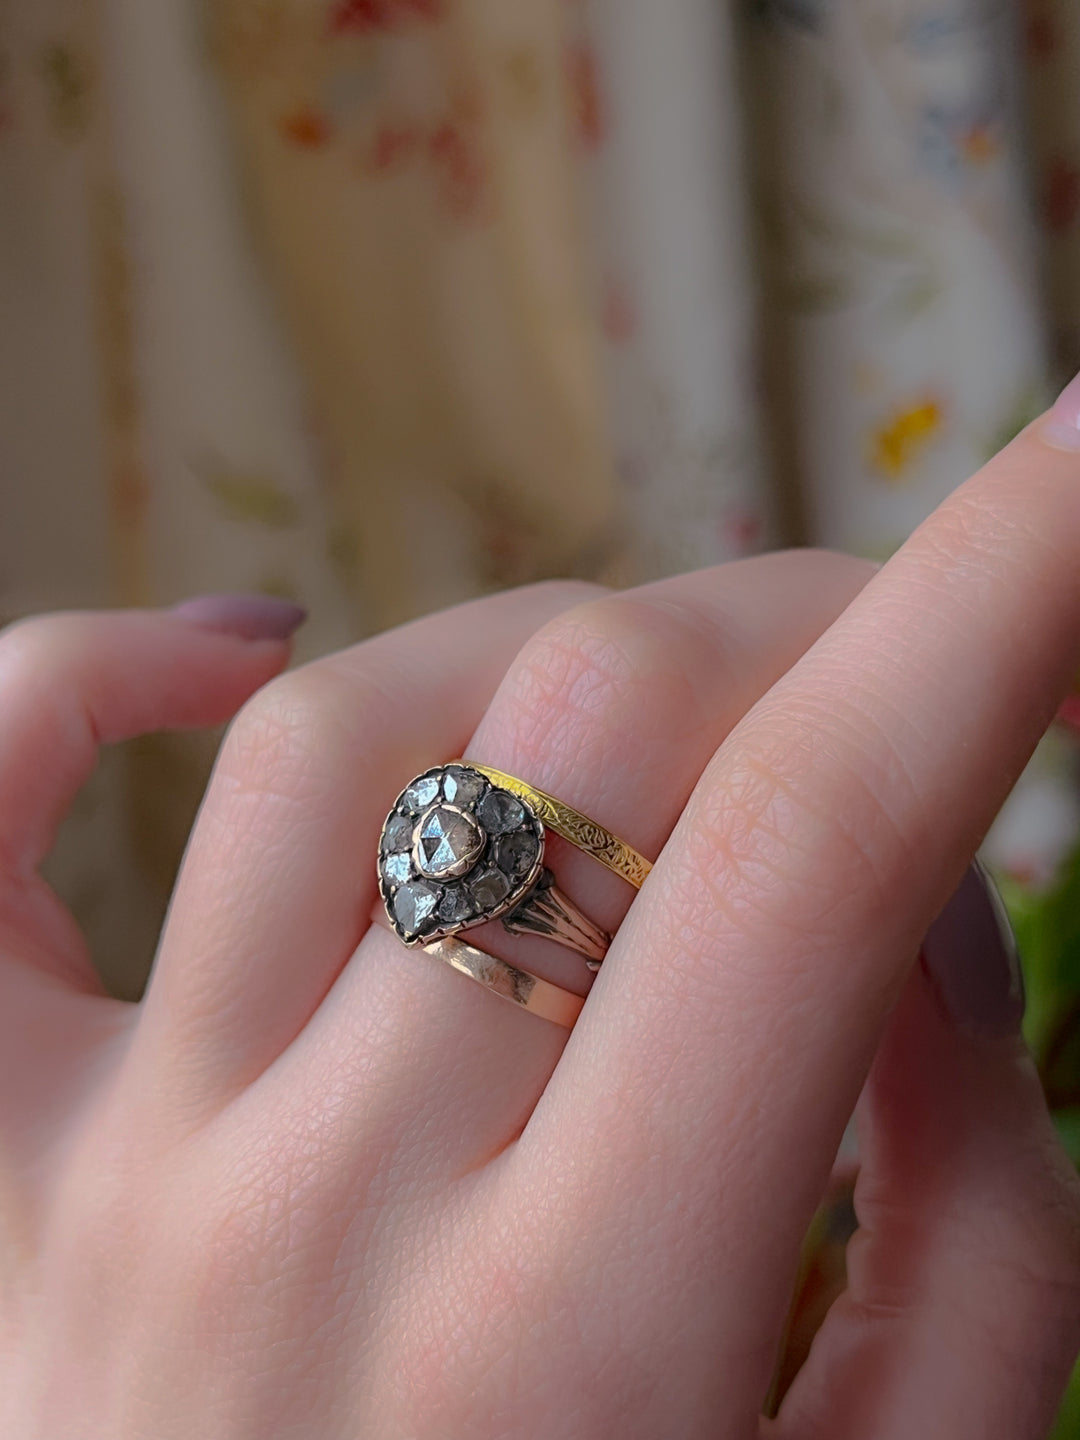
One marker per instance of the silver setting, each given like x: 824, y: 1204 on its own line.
x: 458, y: 850
x: 430, y: 893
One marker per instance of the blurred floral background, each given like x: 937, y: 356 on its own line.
x: 292, y: 289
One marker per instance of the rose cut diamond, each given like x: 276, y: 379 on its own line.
x: 500, y: 811
x: 462, y: 787
x: 517, y: 852
x: 449, y: 844
x: 490, y: 889
x: 396, y: 868
x: 398, y: 834
x: 455, y: 906
x: 413, y: 904
x: 421, y: 793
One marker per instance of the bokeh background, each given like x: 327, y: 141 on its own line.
x: 380, y: 304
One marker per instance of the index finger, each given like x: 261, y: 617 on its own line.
x: 735, y: 1017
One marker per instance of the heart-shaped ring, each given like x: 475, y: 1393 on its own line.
x: 458, y: 850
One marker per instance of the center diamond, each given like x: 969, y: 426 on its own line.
x: 449, y: 844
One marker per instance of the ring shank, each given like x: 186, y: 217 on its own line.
x: 538, y: 997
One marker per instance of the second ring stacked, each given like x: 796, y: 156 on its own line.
x: 465, y: 844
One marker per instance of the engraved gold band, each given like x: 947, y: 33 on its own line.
x: 572, y: 825
x: 538, y: 997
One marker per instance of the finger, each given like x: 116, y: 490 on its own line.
x: 752, y: 978
x: 614, y: 707
x: 962, y: 1312
x: 278, y: 881
x: 72, y: 682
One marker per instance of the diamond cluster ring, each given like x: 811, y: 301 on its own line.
x: 464, y: 844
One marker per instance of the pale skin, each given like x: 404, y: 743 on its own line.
x: 319, y: 1185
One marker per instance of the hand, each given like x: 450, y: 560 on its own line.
x: 319, y: 1185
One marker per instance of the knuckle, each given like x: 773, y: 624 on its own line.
x: 573, y: 658
x: 43, y: 666
x: 621, y: 659
x: 28, y: 647
x: 287, y: 734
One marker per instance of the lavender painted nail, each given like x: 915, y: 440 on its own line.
x: 971, y: 958
x: 1061, y: 428
x: 250, y: 617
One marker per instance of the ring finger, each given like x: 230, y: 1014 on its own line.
x: 614, y: 707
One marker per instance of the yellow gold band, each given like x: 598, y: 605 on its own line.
x: 578, y: 829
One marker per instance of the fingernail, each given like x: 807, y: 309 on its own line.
x: 1061, y: 428
x: 251, y: 617
x: 971, y: 959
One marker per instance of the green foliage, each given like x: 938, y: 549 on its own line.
x: 1048, y: 931
x: 1068, y: 1127
x: 1068, y: 1421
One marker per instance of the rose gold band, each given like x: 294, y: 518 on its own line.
x: 538, y: 997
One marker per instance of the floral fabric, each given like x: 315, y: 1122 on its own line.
x: 903, y: 265
x: 384, y: 303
